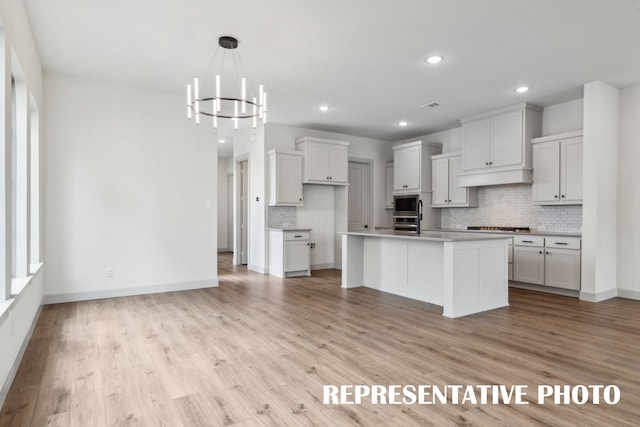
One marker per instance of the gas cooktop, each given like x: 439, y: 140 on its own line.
x: 494, y: 228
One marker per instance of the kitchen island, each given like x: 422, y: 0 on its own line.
x: 462, y: 272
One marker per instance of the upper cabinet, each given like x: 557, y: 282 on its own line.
x: 557, y: 169
x: 325, y: 161
x: 412, y: 166
x: 496, y: 146
x: 285, y: 178
x: 446, y: 191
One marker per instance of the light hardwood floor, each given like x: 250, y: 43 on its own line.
x: 258, y: 349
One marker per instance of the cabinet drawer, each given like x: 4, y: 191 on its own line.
x: 536, y: 241
x: 296, y: 235
x: 563, y: 242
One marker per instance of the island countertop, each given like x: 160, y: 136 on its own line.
x: 436, y: 236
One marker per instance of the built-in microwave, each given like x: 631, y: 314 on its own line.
x: 406, y: 205
x: 406, y: 213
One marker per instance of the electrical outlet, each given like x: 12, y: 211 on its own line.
x: 111, y: 271
x: 313, y: 245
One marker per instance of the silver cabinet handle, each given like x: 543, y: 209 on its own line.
x: 298, y: 235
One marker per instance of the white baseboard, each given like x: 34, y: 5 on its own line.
x: 124, y: 292
x: 16, y: 363
x: 324, y: 266
x: 629, y: 294
x: 258, y: 268
x: 598, y: 296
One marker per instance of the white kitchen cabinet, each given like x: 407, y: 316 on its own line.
x: 550, y: 261
x: 557, y: 169
x: 285, y: 178
x: 496, y: 146
x: 528, y: 265
x: 388, y: 186
x: 562, y: 268
x: 325, y: 161
x: 289, y: 252
x: 446, y: 191
x: 412, y: 166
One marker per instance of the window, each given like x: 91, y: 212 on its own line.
x: 19, y: 179
x: 34, y: 208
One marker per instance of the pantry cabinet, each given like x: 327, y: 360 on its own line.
x: 445, y: 169
x: 496, y: 146
x: 557, y: 169
x: 325, y: 161
x: 412, y: 166
x: 285, y: 178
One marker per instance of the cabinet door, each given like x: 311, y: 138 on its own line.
x: 289, y: 180
x: 506, y: 139
x: 399, y: 169
x: 338, y: 163
x: 457, y: 195
x: 528, y: 265
x: 317, y: 162
x: 562, y: 268
x: 296, y: 255
x: 571, y: 170
x: 546, y: 172
x: 476, y: 145
x: 412, y: 168
x: 440, y: 182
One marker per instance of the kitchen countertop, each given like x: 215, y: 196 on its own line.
x: 432, y: 235
x: 290, y: 229
x: 530, y: 233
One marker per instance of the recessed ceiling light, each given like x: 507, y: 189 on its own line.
x: 221, y: 141
x: 402, y: 123
x: 522, y: 89
x: 435, y: 59
x: 323, y: 108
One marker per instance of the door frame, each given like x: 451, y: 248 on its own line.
x: 370, y: 178
x: 237, y: 233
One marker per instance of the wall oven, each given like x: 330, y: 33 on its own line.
x: 406, y: 213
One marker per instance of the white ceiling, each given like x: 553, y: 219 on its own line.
x: 363, y: 58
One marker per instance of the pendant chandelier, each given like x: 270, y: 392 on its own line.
x: 234, y: 103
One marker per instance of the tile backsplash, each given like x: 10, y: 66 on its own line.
x: 510, y: 206
x: 281, y: 216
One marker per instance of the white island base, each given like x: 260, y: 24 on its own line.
x: 463, y: 274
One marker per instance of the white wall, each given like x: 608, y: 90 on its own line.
x: 223, y: 202
x: 628, y: 244
x: 250, y: 144
x: 600, y: 183
x: 564, y: 117
x: 127, y: 181
x: 18, y: 316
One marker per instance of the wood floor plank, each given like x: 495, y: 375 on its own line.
x: 257, y: 351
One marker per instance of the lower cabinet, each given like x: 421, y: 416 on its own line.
x: 550, y: 261
x: 289, y: 253
x: 529, y: 265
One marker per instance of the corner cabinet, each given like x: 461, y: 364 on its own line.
x: 557, y: 169
x: 446, y: 191
x: 411, y: 164
x: 496, y: 146
x: 285, y: 178
x: 325, y: 161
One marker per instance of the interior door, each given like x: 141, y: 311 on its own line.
x: 244, y: 212
x: 230, y: 211
x: 359, y: 185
